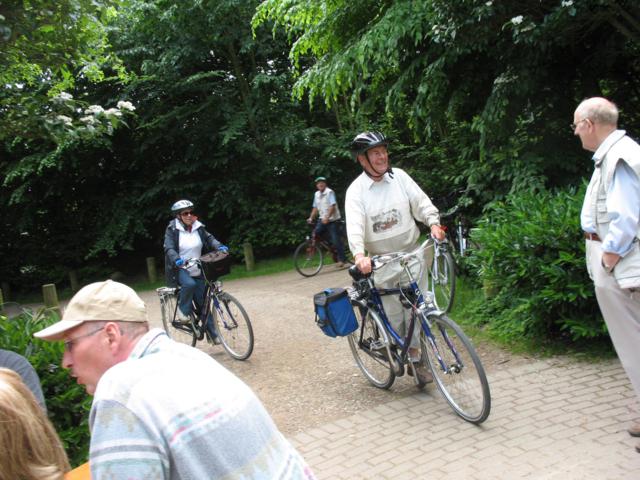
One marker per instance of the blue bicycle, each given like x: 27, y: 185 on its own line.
x: 382, y: 354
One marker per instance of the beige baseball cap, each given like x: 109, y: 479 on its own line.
x: 98, y: 302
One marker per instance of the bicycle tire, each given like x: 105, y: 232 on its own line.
x: 443, y: 281
x: 233, y: 327
x: 182, y: 333
x: 374, y: 364
x: 308, y: 259
x: 464, y: 384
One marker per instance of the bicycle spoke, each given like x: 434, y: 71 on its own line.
x: 457, y: 369
x: 308, y: 259
x: 370, y: 348
x: 233, y: 326
x: 182, y: 333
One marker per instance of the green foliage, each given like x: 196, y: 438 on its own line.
x: 67, y: 402
x: 531, y: 265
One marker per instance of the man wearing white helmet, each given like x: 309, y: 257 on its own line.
x: 381, y: 208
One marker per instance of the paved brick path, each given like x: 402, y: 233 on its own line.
x: 551, y: 419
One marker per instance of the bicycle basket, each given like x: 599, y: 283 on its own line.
x: 215, y: 264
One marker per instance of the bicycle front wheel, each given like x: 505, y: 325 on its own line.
x: 370, y: 347
x: 443, y: 278
x: 308, y: 259
x: 180, y: 332
x: 233, y: 327
x: 456, y: 368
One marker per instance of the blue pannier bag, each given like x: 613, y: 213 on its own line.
x: 334, y: 313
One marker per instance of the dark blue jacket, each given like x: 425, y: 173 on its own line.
x: 171, y: 249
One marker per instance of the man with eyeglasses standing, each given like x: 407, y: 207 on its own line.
x: 610, y: 219
x: 161, y: 409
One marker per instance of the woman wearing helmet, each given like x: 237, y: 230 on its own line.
x: 381, y: 208
x: 185, y: 238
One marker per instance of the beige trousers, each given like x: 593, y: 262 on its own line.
x: 621, y: 311
x: 393, y: 275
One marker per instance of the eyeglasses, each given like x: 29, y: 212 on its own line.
x: 575, y: 125
x: 186, y: 214
x: 68, y: 345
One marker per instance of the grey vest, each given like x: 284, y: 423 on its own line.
x: 627, y: 271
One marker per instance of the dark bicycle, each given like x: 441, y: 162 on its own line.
x: 382, y: 354
x: 310, y: 255
x: 232, y: 325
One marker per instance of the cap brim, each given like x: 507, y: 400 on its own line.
x: 57, y: 330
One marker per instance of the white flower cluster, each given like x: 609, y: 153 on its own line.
x: 517, y: 20
x: 64, y: 120
x: 567, y: 3
x: 94, y: 110
x: 64, y: 96
x: 113, y: 111
x: 124, y: 105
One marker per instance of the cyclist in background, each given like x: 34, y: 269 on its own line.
x: 187, y: 238
x: 382, y: 205
x: 325, y: 206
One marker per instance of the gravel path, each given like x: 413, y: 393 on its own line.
x: 303, y: 377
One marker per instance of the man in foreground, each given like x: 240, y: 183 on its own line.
x: 163, y: 410
x: 610, y: 219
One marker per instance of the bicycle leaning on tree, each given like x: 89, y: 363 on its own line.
x: 382, y: 354
x: 313, y: 253
x: 230, y: 320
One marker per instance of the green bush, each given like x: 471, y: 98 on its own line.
x: 68, y: 404
x: 531, y: 264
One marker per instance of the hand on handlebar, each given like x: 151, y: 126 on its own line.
x: 438, y: 232
x: 364, y: 264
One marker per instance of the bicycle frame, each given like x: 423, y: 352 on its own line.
x: 420, y: 307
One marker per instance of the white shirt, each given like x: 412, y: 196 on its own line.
x: 381, y: 215
x: 623, y: 203
x: 323, y: 201
x: 190, y: 245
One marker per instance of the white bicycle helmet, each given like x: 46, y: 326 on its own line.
x: 180, y: 206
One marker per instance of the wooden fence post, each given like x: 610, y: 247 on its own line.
x: 6, y: 291
x: 248, y: 257
x: 50, y: 296
x: 73, y: 281
x: 151, y: 269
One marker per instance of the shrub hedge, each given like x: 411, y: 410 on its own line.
x: 68, y: 404
x: 531, y: 264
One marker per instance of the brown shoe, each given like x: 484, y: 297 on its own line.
x: 422, y: 373
x: 634, y: 430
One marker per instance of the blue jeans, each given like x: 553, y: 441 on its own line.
x: 334, y: 229
x: 192, y: 289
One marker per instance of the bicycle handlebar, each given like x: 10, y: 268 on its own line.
x: 379, y: 261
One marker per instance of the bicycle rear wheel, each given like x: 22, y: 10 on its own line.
x: 370, y: 348
x: 443, y: 280
x: 180, y: 332
x: 457, y: 369
x: 233, y: 326
x: 308, y: 259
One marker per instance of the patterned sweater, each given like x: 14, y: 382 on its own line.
x: 172, y: 412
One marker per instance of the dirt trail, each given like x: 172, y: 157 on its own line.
x: 303, y: 377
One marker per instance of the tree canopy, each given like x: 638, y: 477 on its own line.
x: 112, y: 110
